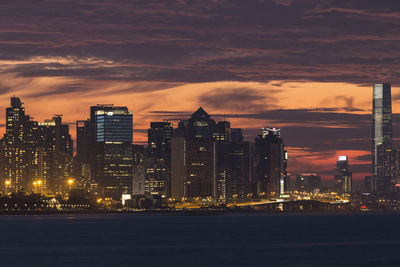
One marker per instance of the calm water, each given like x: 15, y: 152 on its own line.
x: 217, y: 240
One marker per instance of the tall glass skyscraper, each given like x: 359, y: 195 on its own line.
x: 381, y: 137
x: 112, y: 143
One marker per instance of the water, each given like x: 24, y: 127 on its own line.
x: 217, y: 240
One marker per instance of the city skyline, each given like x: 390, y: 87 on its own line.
x: 249, y: 134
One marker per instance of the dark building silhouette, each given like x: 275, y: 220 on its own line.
x: 203, y: 160
x: 395, y: 162
x: 239, y: 185
x: 199, y: 126
x: 343, y: 176
x: 158, y: 162
x: 382, y: 138
x: 139, y: 169
x: 194, y: 158
x: 194, y: 168
x: 270, y: 174
x: 85, y: 157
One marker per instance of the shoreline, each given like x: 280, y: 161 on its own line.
x: 187, y: 212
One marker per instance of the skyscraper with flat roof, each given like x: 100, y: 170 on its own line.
x: 382, y: 137
x: 112, y: 129
x: 343, y: 176
x: 55, y: 150
x: 158, y: 163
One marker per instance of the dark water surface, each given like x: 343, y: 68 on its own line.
x: 215, y: 240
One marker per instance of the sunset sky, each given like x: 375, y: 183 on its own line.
x: 306, y: 66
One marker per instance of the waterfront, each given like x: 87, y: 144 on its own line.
x: 251, y: 239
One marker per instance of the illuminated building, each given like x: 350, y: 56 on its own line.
x: 18, y: 147
x: 158, y: 162
x: 343, y: 176
x: 111, y: 140
x: 382, y: 137
x: 270, y: 164
x: 35, y: 156
x: 54, y: 154
x: 308, y: 182
x: 222, y: 131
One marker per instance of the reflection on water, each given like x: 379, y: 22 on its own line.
x: 220, y: 240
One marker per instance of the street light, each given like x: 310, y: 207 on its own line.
x: 37, y: 186
x: 70, y: 183
x: 7, y: 185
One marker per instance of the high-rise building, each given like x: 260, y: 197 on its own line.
x: 382, y: 137
x: 16, y: 153
x: 308, y: 182
x: 112, y: 149
x: 194, y: 168
x: 222, y: 131
x: 54, y: 156
x: 395, y: 162
x: 199, y: 126
x: 343, y: 176
x: 36, y: 156
x: 158, y: 161
x: 270, y: 164
x: 139, y: 169
x: 239, y: 184
x: 85, y: 156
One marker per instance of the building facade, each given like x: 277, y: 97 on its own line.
x: 343, y: 176
x: 158, y: 162
x: 270, y: 163
x: 35, y: 157
x: 382, y: 137
x: 111, y: 139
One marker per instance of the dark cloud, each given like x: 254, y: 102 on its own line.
x: 197, y: 41
x: 364, y: 157
x: 239, y: 99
